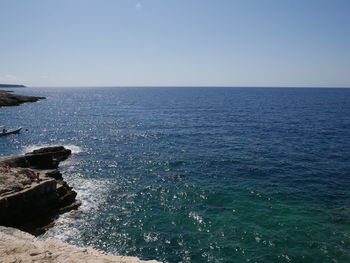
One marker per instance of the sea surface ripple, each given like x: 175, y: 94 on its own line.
x: 199, y: 174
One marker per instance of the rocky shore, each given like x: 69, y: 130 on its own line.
x: 7, y: 98
x: 17, y: 246
x: 26, y: 202
x: 31, y: 204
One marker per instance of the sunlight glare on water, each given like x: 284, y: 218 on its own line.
x: 199, y: 174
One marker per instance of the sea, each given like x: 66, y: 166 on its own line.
x: 198, y: 174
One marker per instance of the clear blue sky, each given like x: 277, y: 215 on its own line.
x: 175, y: 42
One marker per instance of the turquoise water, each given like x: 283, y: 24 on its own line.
x: 199, y: 174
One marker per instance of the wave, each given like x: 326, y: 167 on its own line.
x: 69, y: 226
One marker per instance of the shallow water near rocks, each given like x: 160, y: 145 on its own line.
x: 199, y: 174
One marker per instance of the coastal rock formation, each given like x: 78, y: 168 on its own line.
x: 9, y: 99
x: 17, y: 246
x: 24, y: 200
x: 11, y: 86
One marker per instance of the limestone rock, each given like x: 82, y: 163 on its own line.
x: 43, y: 158
x: 17, y: 246
x: 58, y: 153
x: 22, y: 200
x: 14, y: 181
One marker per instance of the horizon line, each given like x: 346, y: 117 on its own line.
x: 163, y: 86
x: 180, y: 86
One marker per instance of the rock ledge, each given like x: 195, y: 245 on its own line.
x: 17, y: 246
x: 27, y: 203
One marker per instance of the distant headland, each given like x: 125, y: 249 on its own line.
x: 9, y: 99
x: 11, y: 86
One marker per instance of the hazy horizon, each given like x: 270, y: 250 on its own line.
x: 169, y: 86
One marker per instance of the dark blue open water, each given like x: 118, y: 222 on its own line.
x: 199, y: 174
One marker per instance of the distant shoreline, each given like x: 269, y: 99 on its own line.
x: 11, y: 86
x: 7, y: 98
x: 189, y: 86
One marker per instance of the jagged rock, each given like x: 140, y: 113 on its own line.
x: 17, y: 246
x: 58, y: 153
x: 44, y: 158
x: 23, y: 200
x: 22, y: 205
x: 69, y: 207
x: 54, y: 174
x: 47, y: 158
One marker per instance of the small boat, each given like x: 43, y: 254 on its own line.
x: 4, y: 132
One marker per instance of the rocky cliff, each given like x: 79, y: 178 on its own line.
x: 17, y: 246
x: 26, y: 202
x: 9, y: 99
